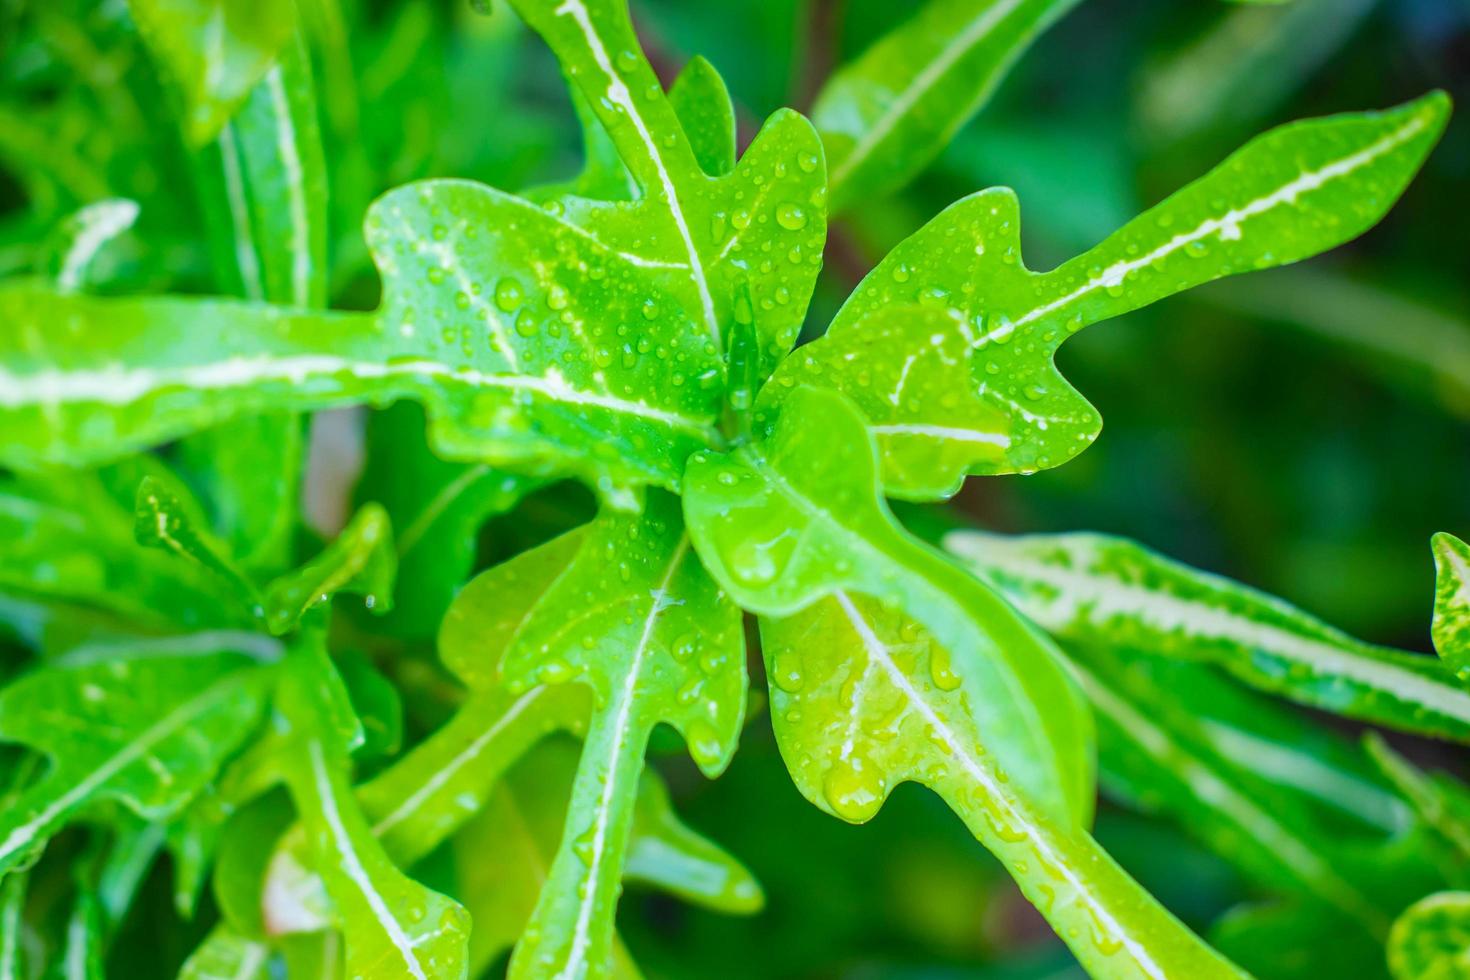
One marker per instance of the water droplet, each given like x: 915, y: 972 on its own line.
x: 854, y: 790
x: 508, y: 294
x: 792, y: 217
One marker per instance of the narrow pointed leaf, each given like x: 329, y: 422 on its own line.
x: 799, y: 518
x: 1441, y: 800
x: 361, y: 560
x: 213, y: 52
x: 173, y: 524
x: 885, y: 116
x: 701, y: 238
x: 153, y: 751
x: 392, y: 925
x: 657, y: 641
x: 702, y: 104
x: 1287, y: 195
x: 12, y: 926
x: 1164, y: 759
x: 1112, y: 591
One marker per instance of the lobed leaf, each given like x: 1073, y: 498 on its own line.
x: 702, y: 237
x: 954, y: 302
x: 172, y: 523
x: 137, y: 741
x: 656, y: 640
x: 1094, y: 588
x: 798, y: 518
x: 886, y: 115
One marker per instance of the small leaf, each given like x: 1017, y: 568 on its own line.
x: 702, y: 104
x: 213, y: 51
x: 798, y: 518
x: 393, y: 926
x: 903, y: 343
x: 884, y: 117
x: 173, y: 524
x: 1431, y: 941
x: 12, y: 926
x: 360, y: 560
x: 1451, y: 628
x: 1109, y: 590
x: 146, y: 745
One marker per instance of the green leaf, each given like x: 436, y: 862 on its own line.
x: 360, y: 560
x: 438, y: 508
x: 12, y: 926
x: 890, y: 664
x: 867, y: 714
x: 885, y: 116
x: 159, y: 728
x: 1431, y: 941
x: 226, y: 953
x: 70, y: 540
x: 799, y: 518
x: 81, y: 950
x: 505, y: 852
x: 1095, y: 588
x: 1442, y: 801
x: 1288, y: 941
x: 954, y: 302
x: 174, y: 524
x: 213, y: 51
x: 635, y: 618
x: 393, y: 926
x: 702, y: 104
x: 1451, y: 627
x: 701, y: 238
x: 1164, y: 759
x: 73, y: 246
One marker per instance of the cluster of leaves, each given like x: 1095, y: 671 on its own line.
x: 189, y: 677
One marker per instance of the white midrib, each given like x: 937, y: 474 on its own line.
x: 1227, y: 225
x: 621, y: 730
x: 1105, y: 599
x: 295, y: 189
x: 100, y: 223
x: 618, y: 94
x: 441, y: 778
x: 975, y: 32
x: 437, y: 506
x: 1220, y: 795
x: 160, y: 730
x: 120, y: 385
x: 352, y: 864
x: 1103, y: 916
x: 943, y: 433
x: 246, y: 258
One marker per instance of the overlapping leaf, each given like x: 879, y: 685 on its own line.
x: 1451, y: 626
x: 889, y: 666
x: 1112, y: 591
x: 947, y: 345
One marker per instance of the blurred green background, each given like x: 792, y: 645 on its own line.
x: 1303, y: 431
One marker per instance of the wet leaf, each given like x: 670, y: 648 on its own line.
x: 954, y: 301
x: 1109, y: 590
